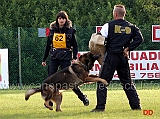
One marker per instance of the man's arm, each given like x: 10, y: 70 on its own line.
x: 137, y: 38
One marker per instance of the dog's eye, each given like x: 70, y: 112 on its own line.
x: 87, y: 60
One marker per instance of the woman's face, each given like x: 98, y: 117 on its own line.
x: 61, y: 21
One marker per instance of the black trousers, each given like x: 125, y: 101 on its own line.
x: 111, y: 63
x: 55, y: 65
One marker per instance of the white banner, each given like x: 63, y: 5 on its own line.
x: 155, y: 33
x: 143, y: 65
x: 4, y: 78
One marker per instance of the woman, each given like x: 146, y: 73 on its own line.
x: 61, y: 44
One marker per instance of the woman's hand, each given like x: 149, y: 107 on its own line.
x: 73, y: 61
x: 43, y: 63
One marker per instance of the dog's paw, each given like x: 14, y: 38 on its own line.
x: 48, y: 106
x: 58, y: 110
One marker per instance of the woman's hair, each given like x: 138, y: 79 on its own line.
x: 64, y: 15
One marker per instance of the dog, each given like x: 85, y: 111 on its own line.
x: 68, y: 78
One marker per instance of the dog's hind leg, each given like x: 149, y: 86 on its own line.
x: 58, y: 100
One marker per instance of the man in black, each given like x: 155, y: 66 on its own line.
x: 122, y: 37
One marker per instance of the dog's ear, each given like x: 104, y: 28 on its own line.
x: 96, y: 56
x: 80, y: 56
x: 89, y: 54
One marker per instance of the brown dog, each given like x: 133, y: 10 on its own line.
x: 68, y: 78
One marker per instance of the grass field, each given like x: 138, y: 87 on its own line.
x: 13, y: 106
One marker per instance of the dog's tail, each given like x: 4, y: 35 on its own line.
x: 94, y: 78
x: 31, y: 91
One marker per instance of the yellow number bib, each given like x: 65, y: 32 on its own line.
x: 59, y: 40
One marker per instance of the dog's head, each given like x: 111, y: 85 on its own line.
x: 88, y: 59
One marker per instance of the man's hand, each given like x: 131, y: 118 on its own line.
x: 126, y: 53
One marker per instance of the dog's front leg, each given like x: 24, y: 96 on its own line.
x: 93, y: 78
x: 58, y: 100
x: 48, y: 104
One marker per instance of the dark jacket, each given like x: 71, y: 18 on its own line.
x: 122, y: 34
x: 71, y: 44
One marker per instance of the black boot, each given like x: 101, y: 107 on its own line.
x: 81, y: 96
x: 132, y: 96
x: 98, y: 110
x: 101, y: 97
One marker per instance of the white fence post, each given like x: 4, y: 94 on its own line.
x: 19, y: 54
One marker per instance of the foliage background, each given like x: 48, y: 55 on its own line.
x: 84, y: 14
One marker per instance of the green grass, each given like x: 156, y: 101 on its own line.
x: 13, y: 106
